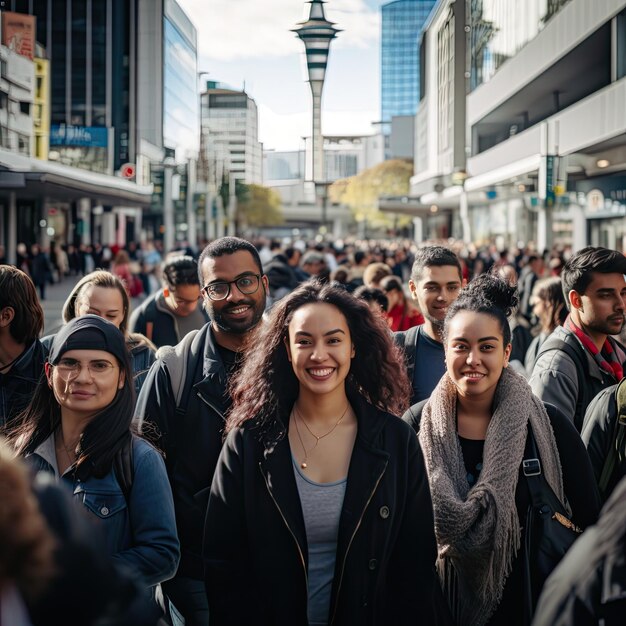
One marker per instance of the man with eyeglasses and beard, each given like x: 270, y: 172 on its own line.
x: 185, y: 398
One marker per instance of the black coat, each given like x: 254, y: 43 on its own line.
x: 255, y: 550
x: 598, y: 435
x: 18, y: 385
x: 580, y: 491
x: 589, y: 586
x: 190, y: 435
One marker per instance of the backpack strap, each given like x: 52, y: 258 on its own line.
x: 617, y: 450
x: 176, y: 360
x: 582, y: 372
x: 407, y: 340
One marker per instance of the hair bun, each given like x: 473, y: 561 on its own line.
x: 493, y: 290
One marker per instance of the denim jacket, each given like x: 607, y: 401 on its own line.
x: 139, y: 533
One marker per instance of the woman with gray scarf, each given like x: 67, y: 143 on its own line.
x: 473, y: 433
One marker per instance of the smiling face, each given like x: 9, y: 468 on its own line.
x: 320, y: 348
x: 84, y: 391
x: 475, y: 354
x: 238, y: 312
x: 437, y: 288
x: 106, y: 302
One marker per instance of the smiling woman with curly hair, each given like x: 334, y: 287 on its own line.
x: 320, y: 498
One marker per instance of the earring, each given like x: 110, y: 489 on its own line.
x: 166, y: 292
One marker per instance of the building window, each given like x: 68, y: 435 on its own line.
x: 445, y: 83
x: 25, y: 108
x: 4, y: 101
x: 23, y: 144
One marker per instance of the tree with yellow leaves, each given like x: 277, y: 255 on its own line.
x: 361, y: 192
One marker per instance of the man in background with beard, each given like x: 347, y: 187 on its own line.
x: 184, y: 400
x: 436, y: 280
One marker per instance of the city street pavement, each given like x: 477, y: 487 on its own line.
x: 56, y: 295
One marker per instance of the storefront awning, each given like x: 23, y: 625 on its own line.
x: 31, y: 178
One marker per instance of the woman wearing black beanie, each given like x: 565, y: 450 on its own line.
x: 78, y: 428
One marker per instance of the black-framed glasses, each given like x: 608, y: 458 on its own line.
x: 247, y: 284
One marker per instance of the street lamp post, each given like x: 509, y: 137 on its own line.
x: 169, y: 230
x: 316, y: 33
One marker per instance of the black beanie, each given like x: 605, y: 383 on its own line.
x: 89, y: 332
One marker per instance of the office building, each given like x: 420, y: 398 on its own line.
x: 230, y: 128
x: 547, y: 123
x: 402, y: 21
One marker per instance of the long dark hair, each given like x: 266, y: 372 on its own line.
x: 103, y: 438
x: 266, y: 383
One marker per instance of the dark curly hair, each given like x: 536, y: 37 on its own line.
x: 488, y: 294
x: 266, y: 384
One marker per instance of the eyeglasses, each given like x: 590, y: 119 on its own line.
x: 247, y: 284
x: 72, y: 368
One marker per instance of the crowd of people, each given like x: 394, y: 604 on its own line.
x: 317, y: 434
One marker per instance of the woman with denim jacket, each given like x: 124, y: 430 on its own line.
x: 78, y: 427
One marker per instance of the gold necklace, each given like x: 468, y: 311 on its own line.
x: 71, y: 454
x: 297, y: 415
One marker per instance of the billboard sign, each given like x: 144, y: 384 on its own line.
x: 79, y: 136
x: 18, y: 33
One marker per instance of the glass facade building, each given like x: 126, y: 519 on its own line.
x: 402, y: 22
x: 501, y: 28
x: 88, y: 45
x: 180, y: 100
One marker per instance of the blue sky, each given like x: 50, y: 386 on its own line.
x: 249, y: 41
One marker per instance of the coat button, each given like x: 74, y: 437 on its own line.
x: 372, y: 564
x: 104, y: 510
x: 384, y: 512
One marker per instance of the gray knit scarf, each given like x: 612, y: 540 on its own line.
x: 478, y: 531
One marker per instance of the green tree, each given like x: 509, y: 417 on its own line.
x: 361, y: 192
x: 258, y: 206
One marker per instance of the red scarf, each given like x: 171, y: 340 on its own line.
x: 606, y: 358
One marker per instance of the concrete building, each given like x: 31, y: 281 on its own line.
x: 547, y: 123
x: 436, y: 191
x: 521, y: 133
x: 123, y: 97
x: 230, y: 126
x: 17, y: 94
x: 287, y: 173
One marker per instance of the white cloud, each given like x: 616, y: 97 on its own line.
x: 239, y: 29
x: 285, y: 132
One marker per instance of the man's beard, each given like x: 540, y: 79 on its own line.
x: 238, y: 328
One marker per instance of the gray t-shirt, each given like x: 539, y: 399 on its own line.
x: 430, y: 366
x: 321, y: 508
x: 194, y: 321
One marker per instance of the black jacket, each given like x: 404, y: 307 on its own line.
x: 580, y: 491
x: 589, y: 586
x: 19, y: 383
x: 598, y: 436
x: 190, y: 435
x: 154, y: 320
x: 255, y: 550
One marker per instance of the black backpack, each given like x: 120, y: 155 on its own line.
x: 579, y: 358
x: 617, y: 451
x: 407, y: 340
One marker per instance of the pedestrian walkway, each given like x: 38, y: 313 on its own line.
x: 56, y: 295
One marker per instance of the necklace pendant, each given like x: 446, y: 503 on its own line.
x: 303, y: 465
